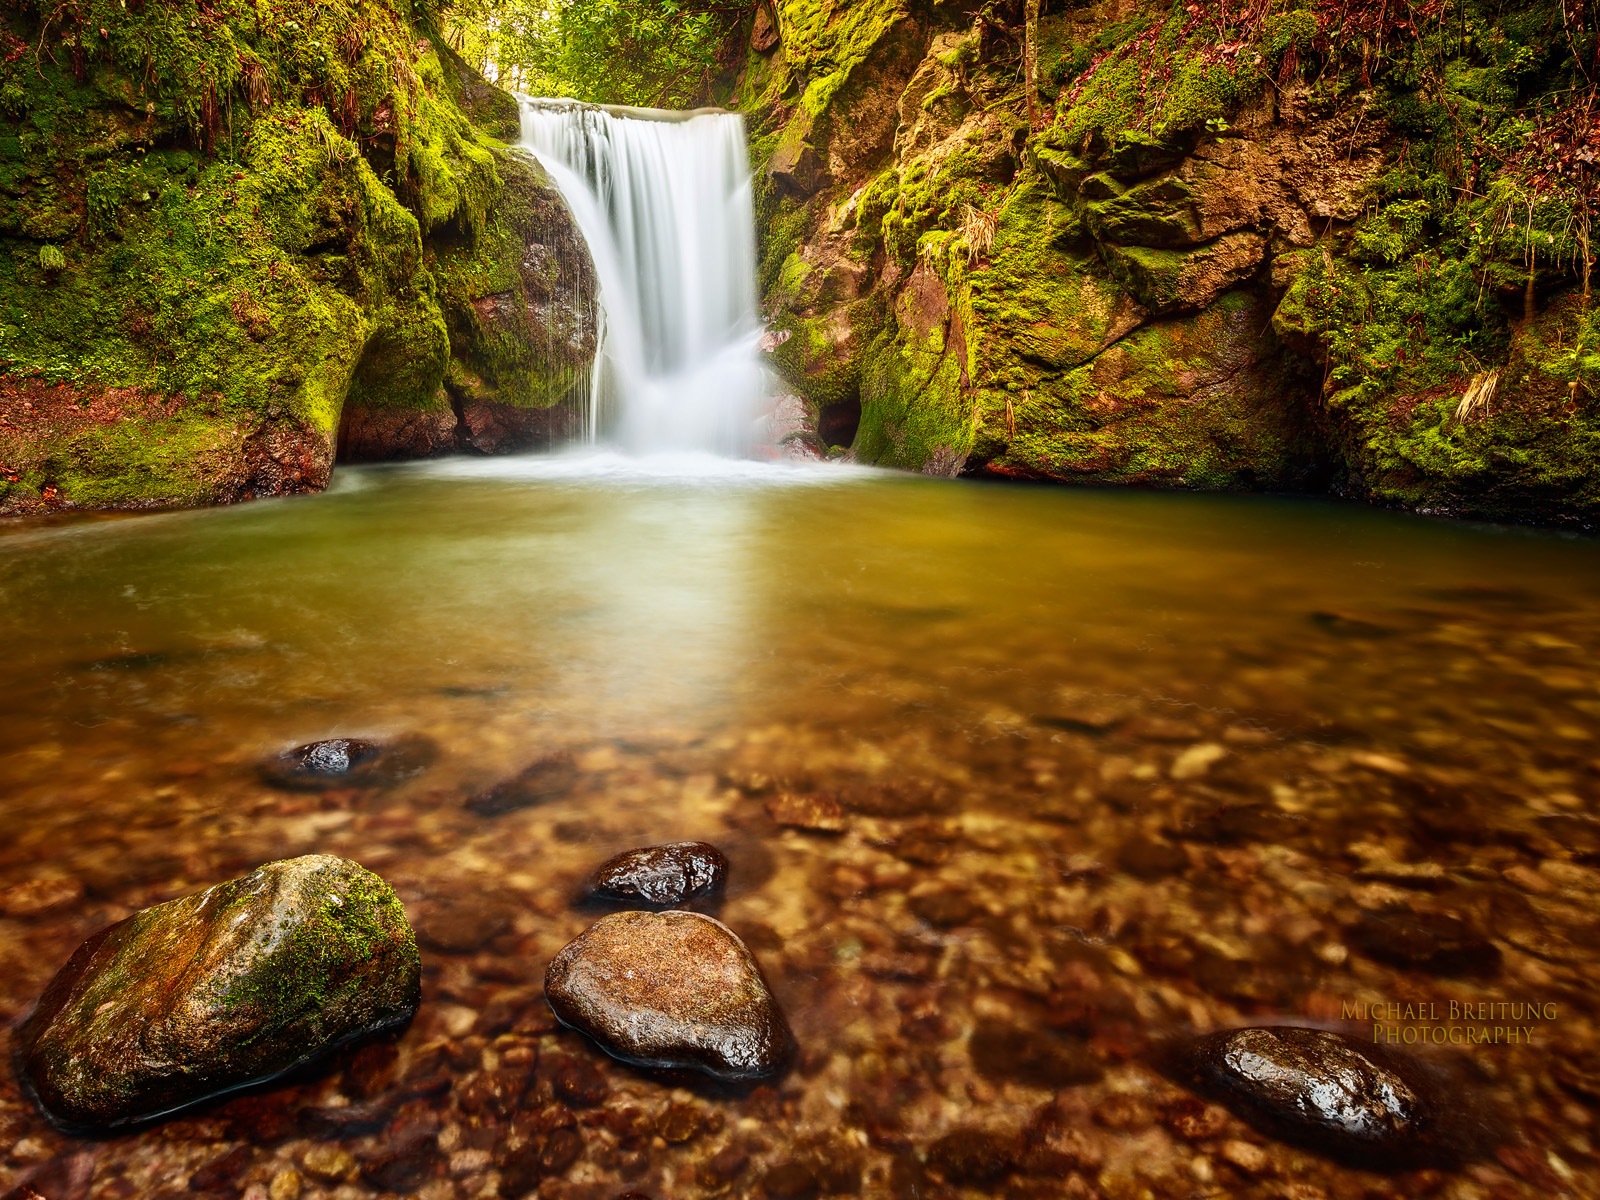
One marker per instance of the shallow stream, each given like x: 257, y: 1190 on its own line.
x: 1015, y: 783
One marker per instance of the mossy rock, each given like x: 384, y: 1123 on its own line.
x: 198, y: 996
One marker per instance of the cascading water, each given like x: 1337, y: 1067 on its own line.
x: 664, y: 202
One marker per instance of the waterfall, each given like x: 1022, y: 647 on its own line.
x: 664, y: 202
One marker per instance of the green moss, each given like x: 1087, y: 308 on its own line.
x: 242, y: 208
x: 316, y: 959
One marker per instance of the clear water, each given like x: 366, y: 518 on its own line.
x: 1010, y: 691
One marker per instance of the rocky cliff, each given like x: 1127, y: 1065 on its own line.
x: 239, y: 238
x: 1267, y: 244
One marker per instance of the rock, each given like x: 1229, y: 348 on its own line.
x: 764, y: 33
x: 943, y: 907
x: 204, y: 994
x: 349, y: 762
x: 1235, y: 824
x: 817, y: 812
x: 1436, y: 943
x: 1146, y: 858
x: 461, y: 924
x: 673, y: 989
x: 550, y: 778
x: 219, y: 1174
x: 1321, y: 1090
x: 1002, y: 1051
x: 973, y: 1156
x: 661, y: 876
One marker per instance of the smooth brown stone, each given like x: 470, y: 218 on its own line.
x: 672, y: 989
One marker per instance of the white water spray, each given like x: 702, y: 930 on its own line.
x: 664, y: 202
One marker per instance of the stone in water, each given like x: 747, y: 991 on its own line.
x: 672, y: 989
x: 1320, y: 1089
x: 208, y: 993
x: 661, y: 876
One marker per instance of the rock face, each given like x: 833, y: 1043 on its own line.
x: 201, y: 995
x: 1208, y: 285
x: 1320, y: 1089
x: 672, y: 989
x: 217, y: 272
x: 661, y: 876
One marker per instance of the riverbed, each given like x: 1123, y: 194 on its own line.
x: 1016, y: 783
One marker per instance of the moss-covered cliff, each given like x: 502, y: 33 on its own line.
x: 1278, y: 243
x: 229, y: 231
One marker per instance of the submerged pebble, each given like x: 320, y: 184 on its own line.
x: 349, y: 762
x: 660, y: 876
x: 1435, y: 943
x: 549, y: 778
x: 203, y: 994
x: 1320, y: 1089
x: 673, y: 989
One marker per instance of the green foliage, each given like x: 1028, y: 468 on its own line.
x: 651, y: 53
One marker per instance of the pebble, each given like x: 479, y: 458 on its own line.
x: 1319, y: 1089
x: 1003, y: 1051
x: 1147, y: 858
x: 328, y: 1163
x: 973, y: 1156
x: 816, y: 812
x: 673, y: 989
x: 349, y: 762
x: 549, y: 778
x: 1432, y: 942
x: 661, y: 876
x: 200, y: 995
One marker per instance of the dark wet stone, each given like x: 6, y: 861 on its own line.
x: 349, y: 763
x: 238, y: 983
x: 219, y: 1174
x: 943, y: 908
x: 661, y: 876
x: 1436, y: 943
x: 1147, y: 858
x: 1039, y: 1058
x: 673, y: 989
x: 1319, y: 1089
x: 550, y: 778
x: 973, y: 1156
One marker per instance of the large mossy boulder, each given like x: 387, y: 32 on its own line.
x: 201, y: 995
x: 220, y: 236
x: 1057, y: 290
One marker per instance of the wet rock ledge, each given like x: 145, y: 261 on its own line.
x: 208, y: 993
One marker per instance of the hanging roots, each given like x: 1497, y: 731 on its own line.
x: 977, y: 228
x: 1479, y: 393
